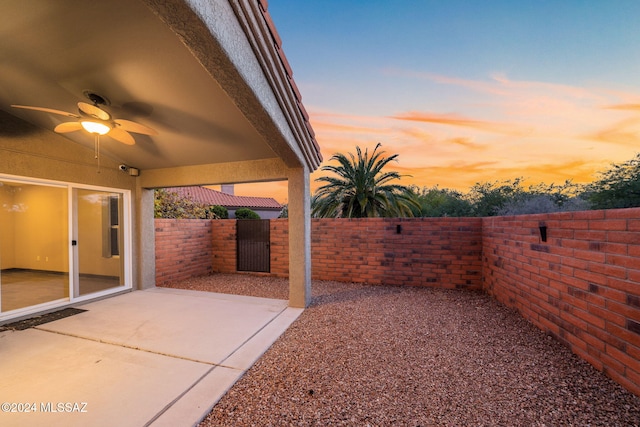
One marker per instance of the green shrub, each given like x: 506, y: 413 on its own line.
x: 219, y: 211
x: 246, y: 213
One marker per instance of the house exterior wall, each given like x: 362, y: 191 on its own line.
x: 582, y: 285
x: 29, y: 151
x: 32, y: 152
x: 262, y: 213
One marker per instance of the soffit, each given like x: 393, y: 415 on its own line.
x: 53, y: 51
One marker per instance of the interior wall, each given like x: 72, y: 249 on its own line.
x: 7, y: 227
x: 41, y: 228
x: 91, y: 259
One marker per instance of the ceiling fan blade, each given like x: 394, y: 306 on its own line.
x: 68, y: 127
x: 130, y: 126
x: 121, y: 136
x: 47, y: 110
x: 93, y: 111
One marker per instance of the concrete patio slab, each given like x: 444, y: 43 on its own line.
x: 154, y: 357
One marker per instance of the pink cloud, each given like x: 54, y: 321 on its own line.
x: 626, y: 132
x: 456, y: 120
x: 628, y: 107
x: 465, y: 142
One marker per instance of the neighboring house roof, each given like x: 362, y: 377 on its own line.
x: 213, y: 197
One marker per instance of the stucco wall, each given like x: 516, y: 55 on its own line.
x: 27, y: 151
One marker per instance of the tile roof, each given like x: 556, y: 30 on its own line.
x: 213, y: 197
x: 288, y: 71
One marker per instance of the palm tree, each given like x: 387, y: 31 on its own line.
x: 361, y: 188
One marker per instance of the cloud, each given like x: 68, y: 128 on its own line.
x: 475, y: 85
x: 625, y: 133
x: 465, y: 142
x: 340, y: 128
x: 500, y: 84
x: 628, y: 107
x: 462, y: 175
x: 456, y: 120
x: 458, y: 132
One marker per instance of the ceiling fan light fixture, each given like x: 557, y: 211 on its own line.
x: 97, y: 128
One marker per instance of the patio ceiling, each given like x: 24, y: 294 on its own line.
x: 54, y: 51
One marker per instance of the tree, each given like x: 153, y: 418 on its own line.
x: 618, y: 187
x: 360, y: 188
x: 168, y: 204
x: 441, y: 202
x: 246, y: 213
x: 220, y: 211
x: 542, y: 203
x: 489, y: 198
x: 543, y: 198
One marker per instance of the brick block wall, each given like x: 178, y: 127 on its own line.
x: 582, y: 285
x: 224, y: 248
x: 436, y: 252
x: 183, y: 249
x: 279, y: 236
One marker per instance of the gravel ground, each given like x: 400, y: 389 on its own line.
x: 388, y: 356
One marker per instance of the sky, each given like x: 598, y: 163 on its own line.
x: 468, y: 91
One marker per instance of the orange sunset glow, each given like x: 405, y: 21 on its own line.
x: 464, y: 110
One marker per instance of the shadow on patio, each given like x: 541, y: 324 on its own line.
x: 158, y: 357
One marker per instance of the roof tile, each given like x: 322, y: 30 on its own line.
x: 213, y: 197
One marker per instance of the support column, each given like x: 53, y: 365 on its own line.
x: 145, y: 239
x: 299, y: 238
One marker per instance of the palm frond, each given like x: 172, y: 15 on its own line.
x: 359, y: 187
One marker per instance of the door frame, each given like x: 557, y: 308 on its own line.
x: 127, y: 255
x: 126, y: 266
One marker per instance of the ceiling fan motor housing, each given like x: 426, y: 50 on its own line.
x: 95, y: 98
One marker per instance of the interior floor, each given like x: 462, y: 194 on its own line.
x: 24, y: 288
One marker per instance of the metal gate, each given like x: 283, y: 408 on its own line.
x: 253, y: 239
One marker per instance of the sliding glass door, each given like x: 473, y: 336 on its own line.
x: 34, y: 256
x: 98, y: 241
x: 60, y: 243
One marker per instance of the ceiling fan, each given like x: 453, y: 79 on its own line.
x: 96, y: 120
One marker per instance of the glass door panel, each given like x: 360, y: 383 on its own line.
x: 34, y: 256
x: 98, y: 241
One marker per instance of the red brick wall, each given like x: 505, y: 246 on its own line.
x: 183, y: 249
x: 223, y: 253
x: 582, y: 285
x: 436, y: 252
x: 279, y: 230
